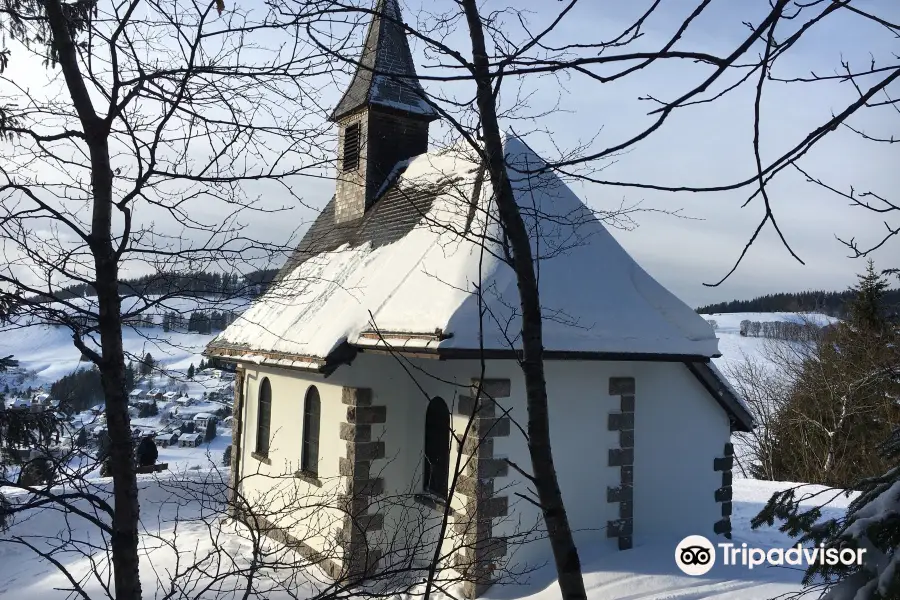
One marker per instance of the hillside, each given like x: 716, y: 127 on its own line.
x: 829, y: 303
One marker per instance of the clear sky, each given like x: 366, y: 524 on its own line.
x: 703, y: 145
x: 711, y: 144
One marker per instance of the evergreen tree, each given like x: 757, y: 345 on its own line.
x: 872, y: 522
x: 81, y: 439
x: 867, y: 309
x: 146, y: 453
x: 147, y: 364
x: 130, y: 377
x: 190, y: 372
x: 226, y: 456
x: 210, y: 430
x: 202, y: 364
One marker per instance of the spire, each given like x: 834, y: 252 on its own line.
x: 386, y: 75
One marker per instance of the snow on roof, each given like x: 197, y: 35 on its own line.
x: 136, y: 393
x: 203, y: 416
x: 422, y: 286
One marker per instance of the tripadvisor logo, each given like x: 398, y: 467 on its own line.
x: 695, y: 555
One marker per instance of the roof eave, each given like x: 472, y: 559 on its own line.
x: 342, y: 354
x: 741, y: 420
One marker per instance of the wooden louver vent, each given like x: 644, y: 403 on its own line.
x: 351, y: 148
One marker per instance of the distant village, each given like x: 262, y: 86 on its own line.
x: 172, y: 412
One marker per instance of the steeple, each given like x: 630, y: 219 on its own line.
x: 385, y: 75
x: 382, y: 117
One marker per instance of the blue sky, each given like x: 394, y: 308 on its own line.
x: 703, y: 145
x: 711, y: 144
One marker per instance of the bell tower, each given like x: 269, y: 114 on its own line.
x: 383, y: 116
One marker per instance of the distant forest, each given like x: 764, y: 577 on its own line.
x: 201, y: 284
x: 834, y: 304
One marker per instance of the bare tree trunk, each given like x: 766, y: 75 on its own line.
x: 565, y: 554
x: 112, y: 360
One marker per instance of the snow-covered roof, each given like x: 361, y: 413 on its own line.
x: 136, y: 393
x: 170, y: 395
x: 409, y: 278
x: 203, y: 416
x: 191, y: 437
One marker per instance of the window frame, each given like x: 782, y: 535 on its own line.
x: 263, y: 442
x: 311, y: 435
x: 436, y: 469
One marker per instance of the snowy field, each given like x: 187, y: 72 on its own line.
x: 734, y: 347
x: 647, y: 572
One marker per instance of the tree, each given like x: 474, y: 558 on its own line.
x: 81, y: 439
x: 210, y: 430
x: 7, y: 363
x: 829, y: 394
x: 130, y: 377
x: 871, y: 522
x: 146, y: 452
x: 867, y: 309
x: 190, y: 372
x: 147, y: 364
x: 226, y: 456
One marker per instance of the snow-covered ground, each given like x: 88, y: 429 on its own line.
x: 47, y: 353
x: 734, y: 347
x: 647, y: 572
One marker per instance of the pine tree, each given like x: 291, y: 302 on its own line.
x: 190, y: 373
x: 210, y: 430
x: 202, y: 364
x: 81, y: 439
x: 146, y: 452
x: 872, y: 521
x: 147, y: 364
x: 867, y: 308
x: 130, y: 377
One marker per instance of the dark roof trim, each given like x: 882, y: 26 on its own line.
x: 477, y: 353
x: 741, y: 420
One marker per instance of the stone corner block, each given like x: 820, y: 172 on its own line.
x: 621, y: 386
x: 356, y: 396
x: 492, y: 388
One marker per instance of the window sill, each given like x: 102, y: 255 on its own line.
x: 264, y: 459
x: 431, y: 501
x: 308, y: 478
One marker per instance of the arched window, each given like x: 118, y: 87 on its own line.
x: 312, y: 409
x: 264, y: 417
x: 437, y: 447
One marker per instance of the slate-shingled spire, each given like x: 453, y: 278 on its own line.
x: 386, y: 75
x: 383, y: 116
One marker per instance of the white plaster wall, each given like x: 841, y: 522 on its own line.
x: 680, y: 429
x: 293, y: 503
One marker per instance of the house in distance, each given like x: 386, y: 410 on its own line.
x: 361, y: 367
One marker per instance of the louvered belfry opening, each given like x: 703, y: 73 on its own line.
x: 383, y: 115
x: 350, y: 161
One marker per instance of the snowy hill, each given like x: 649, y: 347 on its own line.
x: 734, y: 347
x: 47, y: 353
